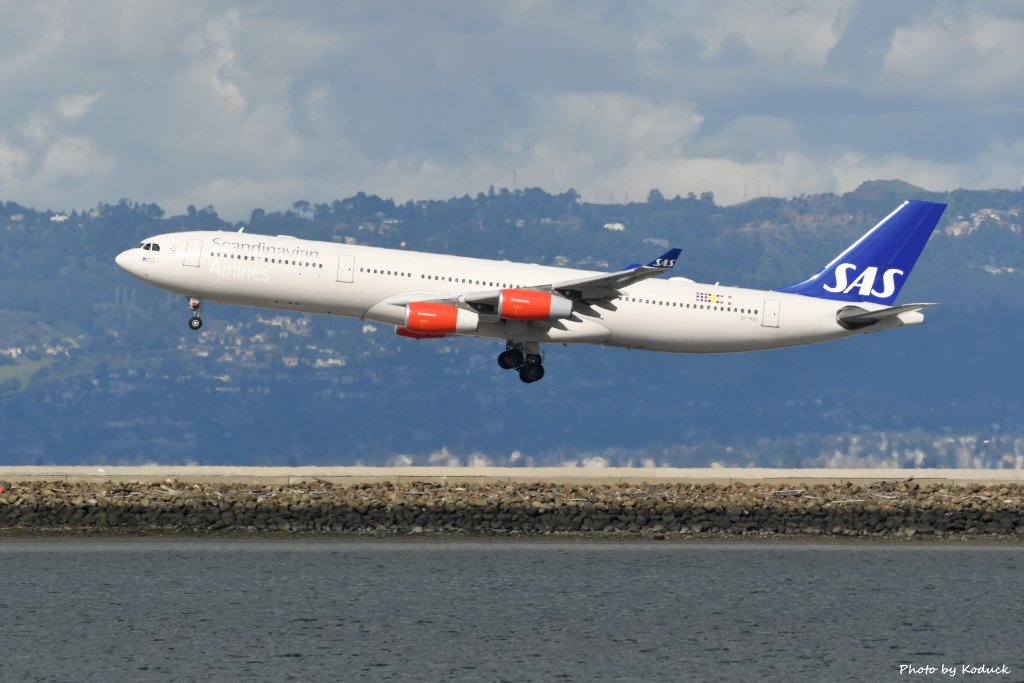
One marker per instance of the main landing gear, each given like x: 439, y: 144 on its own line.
x: 195, y: 322
x: 525, y: 358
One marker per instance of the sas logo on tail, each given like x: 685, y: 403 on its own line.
x: 865, y: 281
x: 664, y: 262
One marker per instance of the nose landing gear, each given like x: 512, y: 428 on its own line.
x: 524, y: 357
x: 195, y: 322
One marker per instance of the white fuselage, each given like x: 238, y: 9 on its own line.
x: 674, y: 314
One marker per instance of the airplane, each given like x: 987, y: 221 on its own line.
x: 429, y: 296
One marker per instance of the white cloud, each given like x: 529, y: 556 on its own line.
x: 785, y: 174
x: 214, y: 65
x: 747, y: 137
x: 786, y: 32
x: 76, y: 106
x: 13, y: 162
x: 852, y: 168
x: 204, y: 102
x: 43, y: 26
x: 236, y: 196
x: 444, y: 458
x: 70, y: 158
x: 947, y: 56
x: 38, y: 129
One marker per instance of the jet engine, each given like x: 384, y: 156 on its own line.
x: 527, y: 304
x: 425, y: 317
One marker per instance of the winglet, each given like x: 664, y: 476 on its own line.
x: 666, y: 260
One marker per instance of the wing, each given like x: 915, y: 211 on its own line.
x: 596, y: 287
x: 609, y: 285
x: 588, y: 290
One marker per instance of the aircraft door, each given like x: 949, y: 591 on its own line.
x: 346, y: 266
x: 770, y: 314
x: 193, y: 250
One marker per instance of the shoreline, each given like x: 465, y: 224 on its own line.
x: 351, y: 475
x: 243, y: 536
x: 882, y: 510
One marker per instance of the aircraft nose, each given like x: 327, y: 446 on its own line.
x: 122, y: 260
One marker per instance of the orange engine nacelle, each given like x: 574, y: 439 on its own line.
x: 526, y: 304
x: 406, y: 332
x: 422, y: 317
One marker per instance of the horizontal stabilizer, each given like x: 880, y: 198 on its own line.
x: 854, y: 317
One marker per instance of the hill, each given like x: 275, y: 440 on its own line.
x: 95, y: 367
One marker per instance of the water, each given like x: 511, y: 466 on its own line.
x: 505, y: 611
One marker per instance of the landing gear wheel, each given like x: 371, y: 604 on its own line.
x: 510, y: 358
x: 531, y: 372
x: 525, y: 358
x: 194, y: 304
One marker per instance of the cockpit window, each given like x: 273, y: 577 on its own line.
x: 146, y: 246
x: 140, y: 245
x: 156, y: 247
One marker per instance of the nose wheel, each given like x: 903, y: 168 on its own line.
x: 195, y: 322
x: 524, y: 358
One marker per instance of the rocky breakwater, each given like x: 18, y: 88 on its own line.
x: 886, y: 509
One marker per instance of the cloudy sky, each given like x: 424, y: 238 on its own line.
x: 262, y: 104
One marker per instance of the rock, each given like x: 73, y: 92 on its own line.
x: 885, y: 509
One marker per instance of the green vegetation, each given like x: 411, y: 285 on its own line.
x: 22, y: 371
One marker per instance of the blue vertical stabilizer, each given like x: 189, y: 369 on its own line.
x: 875, y: 267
